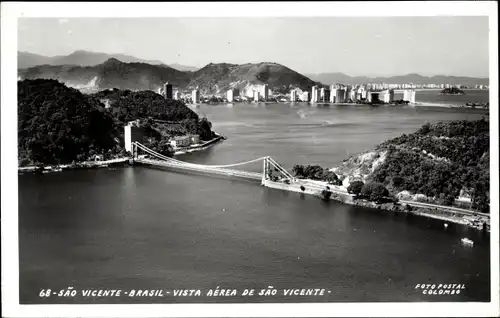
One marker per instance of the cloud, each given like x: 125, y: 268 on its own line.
x: 62, y: 21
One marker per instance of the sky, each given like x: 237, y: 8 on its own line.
x: 356, y: 46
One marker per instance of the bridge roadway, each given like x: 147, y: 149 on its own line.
x: 220, y: 171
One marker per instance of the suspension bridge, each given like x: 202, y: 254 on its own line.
x: 269, y: 165
x: 273, y: 175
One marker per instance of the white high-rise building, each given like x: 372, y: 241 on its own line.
x: 176, y: 95
x: 314, y: 94
x: 230, y: 95
x: 195, y: 96
x: 409, y: 96
x: 293, y: 95
x: 265, y: 92
x: 352, y: 95
x: 256, y: 96
x: 333, y: 95
x: 340, y: 96
x: 385, y: 96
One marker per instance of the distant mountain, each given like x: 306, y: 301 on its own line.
x: 79, y: 58
x: 184, y: 68
x: 216, y: 78
x: 213, y: 78
x: 110, y: 74
x: 329, y: 78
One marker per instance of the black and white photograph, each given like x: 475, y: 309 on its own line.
x: 255, y: 155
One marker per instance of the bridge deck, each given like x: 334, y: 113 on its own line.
x: 220, y: 171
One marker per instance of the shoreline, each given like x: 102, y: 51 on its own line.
x: 416, y: 104
x: 76, y: 166
x: 315, y: 188
x: 202, y: 146
x: 121, y: 161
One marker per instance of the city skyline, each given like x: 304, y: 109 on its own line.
x: 451, y: 46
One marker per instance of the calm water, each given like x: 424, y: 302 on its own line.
x: 133, y: 228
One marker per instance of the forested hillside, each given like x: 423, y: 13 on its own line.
x: 57, y: 124
x: 126, y: 106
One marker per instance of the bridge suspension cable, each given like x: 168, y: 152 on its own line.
x: 268, y: 161
x: 154, y: 153
x: 280, y: 168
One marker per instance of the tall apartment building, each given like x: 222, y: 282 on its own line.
x: 385, y: 96
x: 230, y: 95
x: 293, y: 95
x: 265, y: 92
x: 195, y: 96
x: 167, y: 90
x: 314, y: 94
x: 340, y: 98
x: 333, y: 94
x: 256, y: 96
x: 409, y: 96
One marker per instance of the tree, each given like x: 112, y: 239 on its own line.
x: 326, y: 194
x: 331, y: 177
x: 374, y: 191
x: 298, y: 170
x: 165, y: 148
x: 355, y: 187
x: 397, y: 182
x: 205, y: 129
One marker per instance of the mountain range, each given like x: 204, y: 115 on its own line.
x: 212, y: 78
x: 401, y: 79
x: 110, y: 74
x: 87, y: 58
x: 93, y: 70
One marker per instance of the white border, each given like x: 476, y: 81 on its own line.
x: 10, y: 289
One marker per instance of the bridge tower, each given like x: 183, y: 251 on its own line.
x: 264, y: 169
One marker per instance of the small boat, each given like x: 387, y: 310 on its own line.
x: 467, y: 241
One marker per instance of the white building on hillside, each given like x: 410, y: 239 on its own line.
x: 180, y: 141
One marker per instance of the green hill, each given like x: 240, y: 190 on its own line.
x: 440, y: 161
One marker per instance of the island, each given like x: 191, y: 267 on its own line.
x: 452, y: 91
